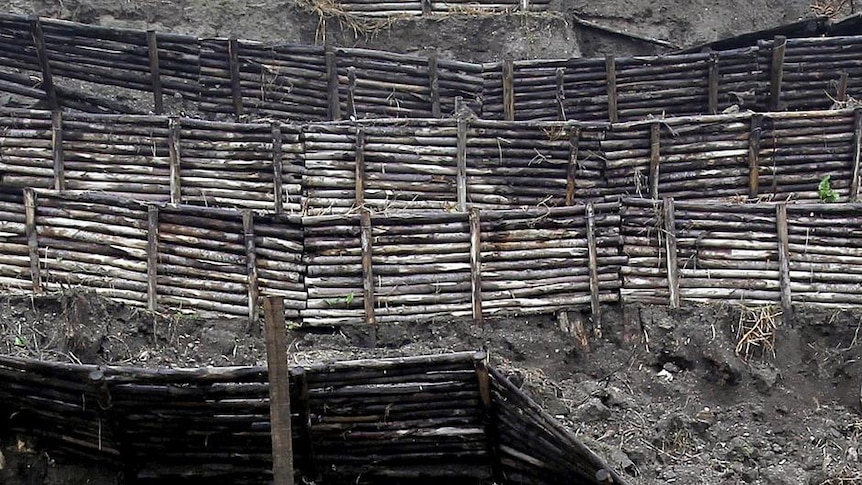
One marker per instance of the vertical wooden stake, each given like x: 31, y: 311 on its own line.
x: 572, y: 169
x: 351, y: 92
x: 32, y: 238
x: 654, y: 158
x: 155, y: 72
x: 461, y: 160
x: 366, y: 243
x: 525, y: 5
x: 359, y: 176
x: 235, y: 85
x: 669, y: 217
x: 427, y: 7
x: 561, y: 93
x: 152, y: 257
x: 332, y: 86
x: 508, y: 90
x: 754, y: 156
x: 476, y: 264
x: 857, y: 154
x: 593, y: 252
x: 434, y: 81
x: 57, y: 150
x: 480, y: 363
x: 251, y: 271
x: 714, y: 75
x: 175, y: 160
x: 277, y: 168
x: 44, y: 63
x: 611, y: 73
x: 279, y: 391
x: 784, y: 263
x: 842, y: 87
x: 776, y: 70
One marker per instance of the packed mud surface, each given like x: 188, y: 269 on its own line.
x: 704, y: 394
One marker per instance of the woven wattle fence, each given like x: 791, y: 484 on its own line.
x: 423, y: 419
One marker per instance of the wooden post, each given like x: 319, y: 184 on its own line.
x: 525, y: 5
x: 784, y: 263
x: 32, y: 238
x: 304, y: 411
x: 332, y: 85
x: 842, y: 87
x: 713, y: 83
x: 593, y: 263
x: 235, y: 86
x: 279, y: 391
x: 776, y: 72
x: 277, y: 168
x: 476, y: 265
x: 754, y: 156
x: 480, y: 363
x: 359, y: 176
x: 508, y: 89
x: 351, y: 92
x: 251, y: 271
x: 174, y: 160
x: 857, y: 153
x: 561, y: 93
x: 427, y: 7
x: 669, y: 217
x: 44, y: 63
x: 572, y: 169
x: 57, y: 150
x: 155, y: 72
x: 654, y: 158
x: 434, y: 80
x: 611, y: 73
x: 152, y: 257
x: 461, y: 160
x: 365, y: 239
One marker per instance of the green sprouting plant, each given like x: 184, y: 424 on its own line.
x: 20, y: 342
x: 347, y: 300
x: 825, y: 190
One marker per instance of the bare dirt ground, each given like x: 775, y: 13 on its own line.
x: 669, y: 396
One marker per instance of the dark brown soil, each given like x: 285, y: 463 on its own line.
x: 674, y: 404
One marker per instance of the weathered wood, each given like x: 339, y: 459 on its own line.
x: 277, y: 168
x: 611, y: 80
x: 44, y: 63
x: 279, y: 391
x: 300, y: 377
x: 857, y: 155
x: 57, y: 150
x: 434, y: 81
x: 842, y: 87
x: 784, y: 263
x: 175, y: 160
x: 366, y: 246
x: 572, y: 168
x: 32, y: 238
x: 152, y: 257
x: 427, y: 7
x: 754, y: 135
x: 670, y: 245
x: 595, y: 305
x: 461, y: 161
x: 714, y: 76
x: 480, y: 362
x: 476, y: 265
x: 351, y: 93
x: 332, y: 84
x: 235, y: 88
x: 508, y: 89
x: 155, y: 72
x: 251, y: 270
x: 776, y: 72
x: 359, y: 175
x: 561, y: 93
x: 654, y: 158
